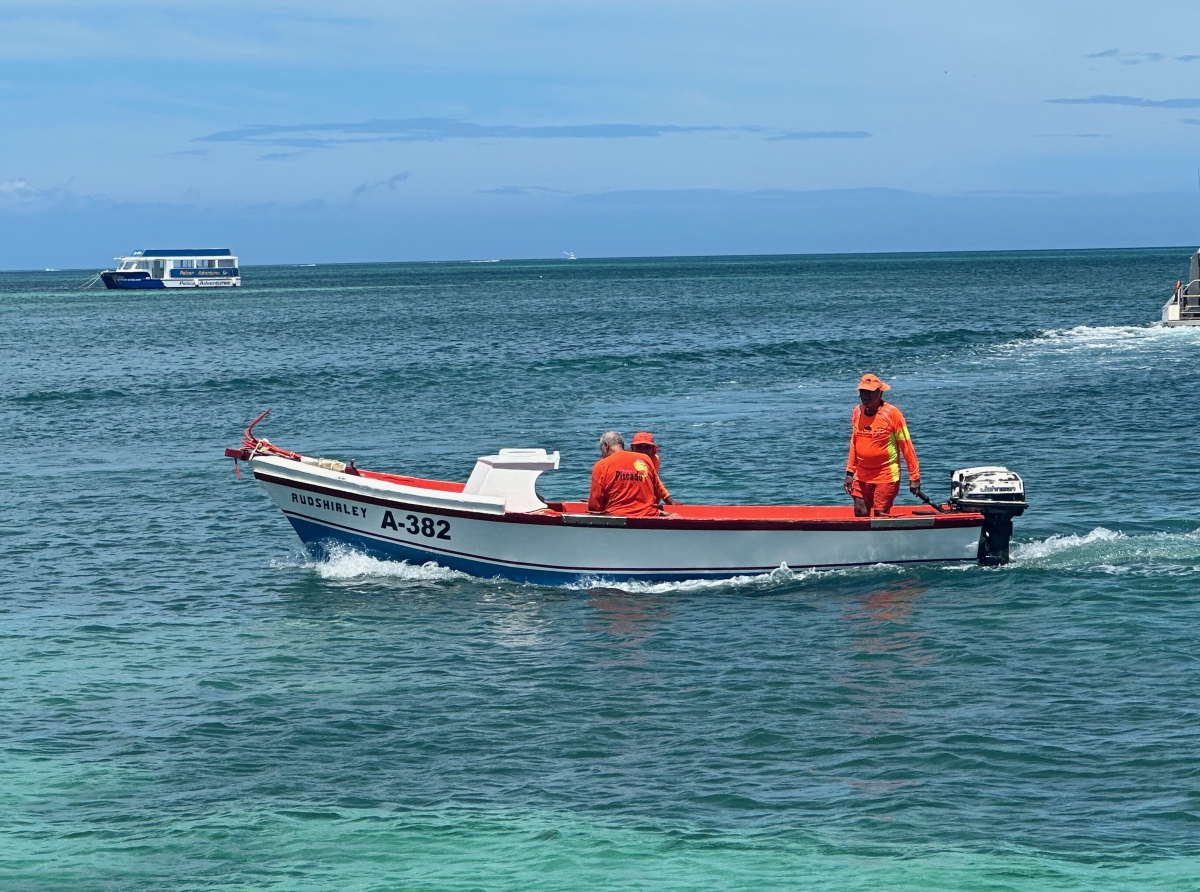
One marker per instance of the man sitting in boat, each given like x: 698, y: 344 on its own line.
x: 624, y: 483
x: 878, y: 437
x: 643, y: 442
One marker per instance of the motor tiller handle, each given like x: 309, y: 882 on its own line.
x: 928, y: 501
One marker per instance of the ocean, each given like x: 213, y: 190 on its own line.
x: 189, y: 701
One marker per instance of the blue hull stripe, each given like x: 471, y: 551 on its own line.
x: 112, y: 281
x: 315, y: 535
x: 139, y: 283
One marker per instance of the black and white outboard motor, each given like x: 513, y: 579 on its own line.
x: 999, y: 495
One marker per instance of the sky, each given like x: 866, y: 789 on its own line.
x: 367, y: 130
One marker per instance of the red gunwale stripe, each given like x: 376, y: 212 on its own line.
x: 940, y: 521
x: 419, y: 482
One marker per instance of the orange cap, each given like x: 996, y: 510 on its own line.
x: 870, y: 382
x: 644, y: 437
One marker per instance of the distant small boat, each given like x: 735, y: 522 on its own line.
x: 1184, y: 306
x: 497, y: 260
x: 570, y: 255
x: 175, y: 268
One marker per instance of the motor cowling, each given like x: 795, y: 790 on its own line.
x: 999, y: 495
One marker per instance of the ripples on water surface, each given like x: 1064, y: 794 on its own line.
x: 190, y: 702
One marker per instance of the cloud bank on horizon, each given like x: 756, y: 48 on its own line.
x: 503, y: 116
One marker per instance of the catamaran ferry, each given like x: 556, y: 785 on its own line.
x: 176, y: 268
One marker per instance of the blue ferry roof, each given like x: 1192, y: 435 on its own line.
x: 184, y: 252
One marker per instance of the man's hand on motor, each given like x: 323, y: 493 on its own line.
x: 914, y: 485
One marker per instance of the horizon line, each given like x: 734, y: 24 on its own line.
x: 649, y: 257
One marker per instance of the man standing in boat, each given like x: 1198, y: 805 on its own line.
x: 878, y: 437
x: 624, y: 483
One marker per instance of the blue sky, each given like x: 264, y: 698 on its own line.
x: 361, y: 130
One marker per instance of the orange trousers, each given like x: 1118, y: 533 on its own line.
x: 879, y: 496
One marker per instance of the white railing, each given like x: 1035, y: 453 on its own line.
x: 1182, y: 291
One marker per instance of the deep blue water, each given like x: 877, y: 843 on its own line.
x: 187, y: 701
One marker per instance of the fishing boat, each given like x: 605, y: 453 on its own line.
x: 496, y: 525
x: 175, y: 268
x: 1184, y: 306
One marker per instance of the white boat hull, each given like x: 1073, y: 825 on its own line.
x: 476, y: 536
x: 1172, y: 315
x: 127, y: 281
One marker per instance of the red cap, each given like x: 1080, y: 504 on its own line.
x: 644, y: 437
x: 870, y: 382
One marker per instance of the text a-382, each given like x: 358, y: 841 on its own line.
x: 414, y: 525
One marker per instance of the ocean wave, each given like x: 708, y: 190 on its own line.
x: 84, y: 395
x: 815, y: 349
x: 1107, y: 551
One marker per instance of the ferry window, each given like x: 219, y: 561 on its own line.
x: 143, y: 264
x: 184, y: 264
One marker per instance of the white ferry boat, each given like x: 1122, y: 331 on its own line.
x: 1184, y: 306
x: 175, y: 268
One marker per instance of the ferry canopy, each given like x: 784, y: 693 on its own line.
x: 183, y: 252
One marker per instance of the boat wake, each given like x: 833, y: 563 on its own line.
x: 764, y: 582
x: 342, y: 563
x: 1106, y: 551
x: 1108, y: 338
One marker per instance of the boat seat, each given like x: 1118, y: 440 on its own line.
x: 512, y: 475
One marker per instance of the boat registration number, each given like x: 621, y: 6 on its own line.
x: 416, y: 526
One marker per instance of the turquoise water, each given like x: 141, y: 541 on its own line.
x: 188, y: 701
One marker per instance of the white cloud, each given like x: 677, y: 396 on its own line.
x: 391, y: 184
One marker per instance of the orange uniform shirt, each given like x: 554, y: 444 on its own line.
x: 624, y: 483
x: 876, y: 444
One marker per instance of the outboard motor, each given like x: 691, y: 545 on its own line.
x: 999, y: 495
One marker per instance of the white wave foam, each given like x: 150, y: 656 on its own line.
x: 1110, y: 338
x: 344, y: 563
x: 1029, y: 552
x: 1106, y: 551
x: 781, y: 575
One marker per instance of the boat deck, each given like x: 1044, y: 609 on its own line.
x: 757, y: 512
x: 698, y: 516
